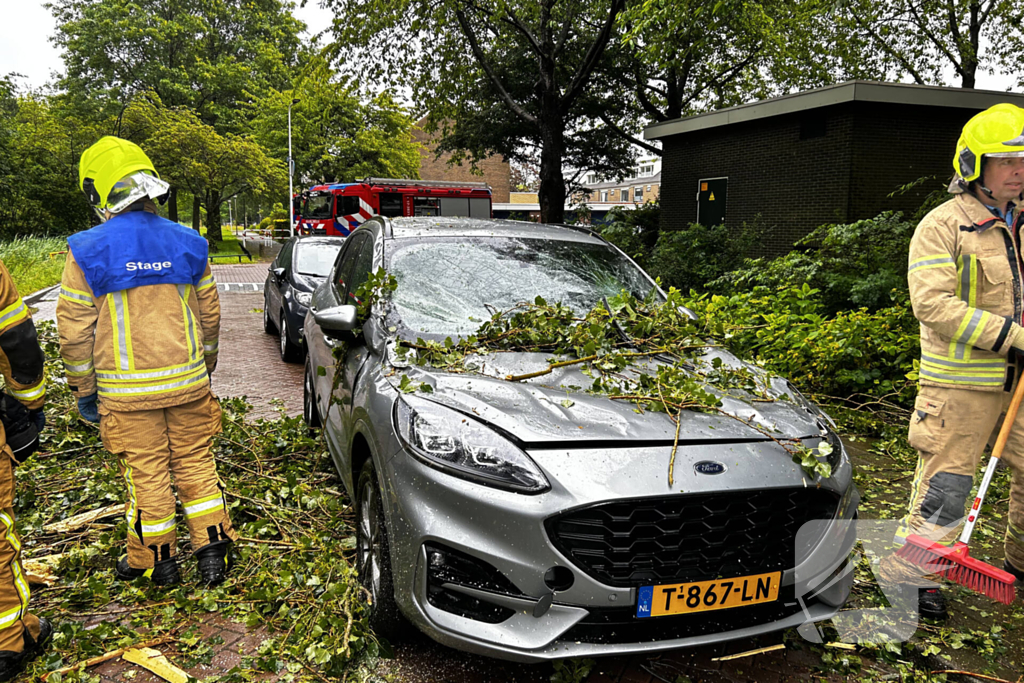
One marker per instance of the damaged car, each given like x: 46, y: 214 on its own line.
x: 508, y: 506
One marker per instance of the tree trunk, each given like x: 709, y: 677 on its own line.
x: 213, y: 229
x: 197, y: 208
x: 551, y: 192
x: 172, y: 204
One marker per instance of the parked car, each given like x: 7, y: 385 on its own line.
x: 300, y: 266
x: 502, y: 519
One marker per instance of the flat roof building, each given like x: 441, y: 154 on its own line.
x: 830, y: 155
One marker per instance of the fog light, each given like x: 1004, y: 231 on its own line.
x: 559, y: 579
x: 446, y: 566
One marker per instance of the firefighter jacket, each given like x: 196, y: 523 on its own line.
x: 138, y: 320
x: 965, y: 289
x: 21, y: 359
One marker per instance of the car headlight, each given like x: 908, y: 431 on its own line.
x: 303, y: 298
x: 464, y: 447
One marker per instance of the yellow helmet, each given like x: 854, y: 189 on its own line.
x: 108, y: 162
x: 996, y: 132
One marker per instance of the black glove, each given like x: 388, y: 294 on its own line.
x: 20, y: 428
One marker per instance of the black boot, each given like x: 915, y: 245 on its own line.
x: 164, y: 573
x: 1017, y: 574
x: 215, y: 560
x: 11, y: 663
x: 931, y: 604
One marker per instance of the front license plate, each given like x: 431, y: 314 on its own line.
x: 705, y: 596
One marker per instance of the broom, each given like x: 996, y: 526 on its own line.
x: 955, y: 562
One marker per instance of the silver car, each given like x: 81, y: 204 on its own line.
x: 531, y: 520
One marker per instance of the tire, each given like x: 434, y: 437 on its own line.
x: 309, y: 409
x: 373, y: 558
x: 290, y: 353
x: 268, y: 325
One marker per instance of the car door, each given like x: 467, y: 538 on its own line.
x: 275, y: 284
x: 356, y: 352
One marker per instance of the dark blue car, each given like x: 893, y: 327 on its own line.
x: 302, y: 264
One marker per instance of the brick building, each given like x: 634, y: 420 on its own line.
x: 828, y: 155
x: 641, y: 186
x: 496, y: 172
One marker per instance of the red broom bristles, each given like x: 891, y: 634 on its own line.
x: 956, y: 565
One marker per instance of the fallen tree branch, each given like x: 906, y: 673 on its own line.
x: 107, y: 656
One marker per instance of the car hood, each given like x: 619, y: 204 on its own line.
x: 306, y: 283
x: 555, y: 408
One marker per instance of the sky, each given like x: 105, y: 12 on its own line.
x: 27, y: 26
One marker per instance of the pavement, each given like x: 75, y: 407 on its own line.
x: 249, y: 365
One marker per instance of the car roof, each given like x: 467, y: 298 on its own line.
x: 441, y: 226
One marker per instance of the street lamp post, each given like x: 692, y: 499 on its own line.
x: 291, y: 170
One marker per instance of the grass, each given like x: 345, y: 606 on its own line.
x: 29, y: 262
x: 229, y: 245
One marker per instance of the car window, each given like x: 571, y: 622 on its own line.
x: 360, y: 272
x: 348, y: 261
x: 284, y: 259
x: 348, y: 205
x: 319, y: 206
x: 315, y: 258
x: 448, y: 286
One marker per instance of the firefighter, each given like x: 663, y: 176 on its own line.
x: 965, y: 275
x: 138, y: 317
x: 22, y: 634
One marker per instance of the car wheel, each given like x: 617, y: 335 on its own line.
x: 268, y: 324
x: 309, y: 409
x: 290, y: 353
x: 373, y: 557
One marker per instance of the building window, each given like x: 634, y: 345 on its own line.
x: 648, y: 188
x: 638, y: 194
x: 604, y: 195
x: 624, y: 194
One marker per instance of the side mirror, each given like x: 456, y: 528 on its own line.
x: 278, y: 272
x: 336, y: 320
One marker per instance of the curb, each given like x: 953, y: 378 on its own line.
x: 39, y: 295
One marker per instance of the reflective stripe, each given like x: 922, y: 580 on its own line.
x: 158, y: 527
x: 190, y: 323
x: 982, y: 364
x: 117, y: 318
x: 211, y: 347
x: 107, y: 390
x: 19, y: 580
x: 959, y: 347
x: 78, y: 369
x: 13, y: 313
x: 204, y: 506
x: 150, y: 375
x: 9, y: 617
x: 31, y: 393
x: 955, y: 378
x: 206, y: 282
x: 132, y: 502
x: 967, y: 279
x: 933, y: 261
x: 76, y: 296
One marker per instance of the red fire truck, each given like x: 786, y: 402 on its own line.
x: 339, y: 209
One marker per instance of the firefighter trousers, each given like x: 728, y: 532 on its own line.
x: 153, y: 445
x: 14, y: 591
x: 950, y: 428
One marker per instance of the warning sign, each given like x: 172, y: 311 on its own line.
x: 712, y: 197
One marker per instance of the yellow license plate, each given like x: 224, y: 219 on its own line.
x: 706, y: 596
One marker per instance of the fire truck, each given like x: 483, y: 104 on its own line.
x: 340, y: 208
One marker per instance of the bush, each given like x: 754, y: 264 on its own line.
x: 856, y: 352
x: 686, y: 259
x: 854, y: 265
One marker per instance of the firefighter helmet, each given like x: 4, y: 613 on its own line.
x: 115, y: 173
x: 996, y: 132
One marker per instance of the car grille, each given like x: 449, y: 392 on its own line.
x: 689, y: 537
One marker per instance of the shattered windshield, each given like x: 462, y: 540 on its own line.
x: 448, y: 286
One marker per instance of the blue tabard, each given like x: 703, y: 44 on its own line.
x: 138, y: 248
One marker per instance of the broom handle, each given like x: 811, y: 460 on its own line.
x: 997, y: 452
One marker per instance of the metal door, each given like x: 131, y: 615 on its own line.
x: 711, y: 193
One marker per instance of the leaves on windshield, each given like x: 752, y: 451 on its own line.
x: 648, y: 352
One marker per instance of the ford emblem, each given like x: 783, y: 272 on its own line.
x: 709, y: 467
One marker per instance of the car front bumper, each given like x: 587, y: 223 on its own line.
x: 507, y: 531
